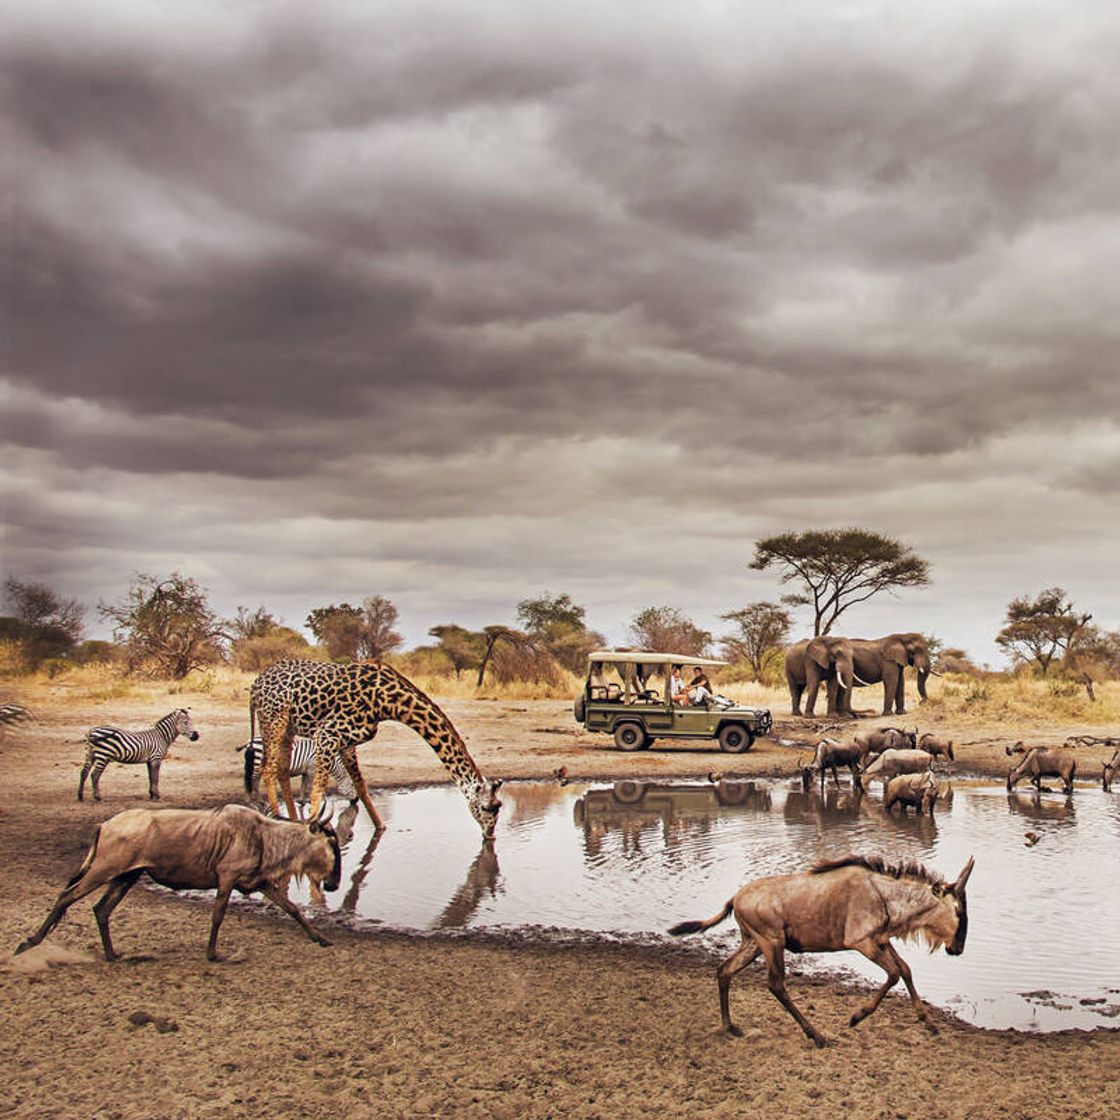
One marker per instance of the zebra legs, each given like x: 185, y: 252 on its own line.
x: 95, y: 773
x: 108, y: 902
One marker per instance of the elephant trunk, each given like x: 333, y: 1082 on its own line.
x: 922, y: 675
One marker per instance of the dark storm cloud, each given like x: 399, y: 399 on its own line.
x: 464, y: 288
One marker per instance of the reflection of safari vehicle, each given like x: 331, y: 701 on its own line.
x: 637, y: 708
x: 668, y: 801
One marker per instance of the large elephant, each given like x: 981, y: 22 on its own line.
x: 886, y: 659
x: 813, y: 660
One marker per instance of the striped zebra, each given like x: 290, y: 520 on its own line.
x: 303, y: 764
x: 111, y: 744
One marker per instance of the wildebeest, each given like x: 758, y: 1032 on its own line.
x: 852, y: 903
x: 939, y: 748
x: 1109, y: 771
x: 226, y: 849
x: 1044, y: 762
x: 829, y: 755
x: 887, y: 739
x: 892, y: 762
x: 919, y: 790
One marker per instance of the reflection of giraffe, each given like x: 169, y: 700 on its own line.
x: 340, y: 706
x: 482, y: 879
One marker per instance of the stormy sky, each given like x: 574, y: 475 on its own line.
x: 458, y: 303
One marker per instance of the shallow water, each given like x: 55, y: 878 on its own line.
x: 634, y: 858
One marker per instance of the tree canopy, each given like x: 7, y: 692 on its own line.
x: 46, y: 624
x: 761, y: 629
x: 668, y: 630
x: 355, y: 633
x: 837, y: 568
x: 1043, y: 628
x: 166, y: 625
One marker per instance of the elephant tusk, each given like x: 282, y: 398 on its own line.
x: 859, y: 680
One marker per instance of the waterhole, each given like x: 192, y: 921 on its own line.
x: 629, y: 859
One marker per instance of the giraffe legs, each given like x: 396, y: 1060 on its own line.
x: 326, y: 745
x: 276, y: 764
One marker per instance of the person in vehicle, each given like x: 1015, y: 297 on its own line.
x: 677, y: 692
x: 700, y: 688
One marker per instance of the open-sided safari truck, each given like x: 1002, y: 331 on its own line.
x: 637, y: 708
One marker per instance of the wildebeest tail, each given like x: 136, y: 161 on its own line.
x: 250, y: 760
x: 88, y: 861
x: 682, y: 928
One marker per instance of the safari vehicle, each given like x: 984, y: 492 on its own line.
x: 637, y: 709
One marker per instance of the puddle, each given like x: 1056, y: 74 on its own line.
x: 630, y: 859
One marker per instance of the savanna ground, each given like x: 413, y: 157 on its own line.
x: 383, y: 1025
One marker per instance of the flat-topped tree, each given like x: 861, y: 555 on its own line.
x: 837, y: 568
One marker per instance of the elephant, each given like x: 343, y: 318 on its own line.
x: 886, y: 659
x: 813, y: 660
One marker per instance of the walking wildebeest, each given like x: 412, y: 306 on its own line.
x: 1109, y: 771
x: 939, y: 748
x: 1044, y: 762
x: 227, y: 849
x: 892, y: 762
x: 852, y: 903
x: 919, y: 790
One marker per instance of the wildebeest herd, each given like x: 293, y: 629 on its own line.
x: 313, y: 716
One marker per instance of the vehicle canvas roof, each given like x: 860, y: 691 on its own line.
x: 644, y: 657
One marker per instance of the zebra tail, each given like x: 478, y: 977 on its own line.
x: 88, y: 861
x: 696, y: 926
x: 250, y: 759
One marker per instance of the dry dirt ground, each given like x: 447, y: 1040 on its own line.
x: 387, y: 1026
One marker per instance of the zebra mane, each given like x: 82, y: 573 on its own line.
x: 907, y: 869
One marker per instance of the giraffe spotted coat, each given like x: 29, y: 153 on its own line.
x: 339, y: 707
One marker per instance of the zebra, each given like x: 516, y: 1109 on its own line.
x: 303, y: 763
x: 111, y: 744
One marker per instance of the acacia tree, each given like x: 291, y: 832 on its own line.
x: 528, y: 662
x: 46, y: 624
x: 1043, y: 628
x: 837, y: 568
x: 257, y: 639
x: 762, y: 628
x: 356, y: 633
x: 166, y: 625
x: 462, y: 647
x: 557, y: 625
x: 668, y: 630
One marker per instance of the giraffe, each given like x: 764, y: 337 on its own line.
x: 340, y: 706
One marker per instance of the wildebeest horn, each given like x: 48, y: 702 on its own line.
x: 962, y: 878
x: 324, y: 813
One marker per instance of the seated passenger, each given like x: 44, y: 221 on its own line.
x: 676, y: 687
x: 596, y: 682
x: 700, y: 688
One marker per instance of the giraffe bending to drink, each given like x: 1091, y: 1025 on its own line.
x: 340, y: 706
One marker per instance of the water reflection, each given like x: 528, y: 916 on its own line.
x: 677, y: 812
x: 629, y: 858
x: 1035, y: 807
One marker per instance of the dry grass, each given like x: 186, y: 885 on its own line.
x: 957, y: 699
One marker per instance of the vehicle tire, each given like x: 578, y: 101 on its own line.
x: 579, y: 708
x: 629, y: 736
x: 629, y: 792
x: 734, y: 738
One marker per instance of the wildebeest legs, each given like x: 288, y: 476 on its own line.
x: 289, y: 907
x: 734, y: 963
x: 108, y: 902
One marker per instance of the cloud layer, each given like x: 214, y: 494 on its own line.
x: 455, y: 303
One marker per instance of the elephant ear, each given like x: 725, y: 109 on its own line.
x: 818, y: 651
x: 895, y: 651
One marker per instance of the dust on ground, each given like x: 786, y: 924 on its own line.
x: 385, y: 1025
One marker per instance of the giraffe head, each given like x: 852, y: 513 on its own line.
x: 484, y: 805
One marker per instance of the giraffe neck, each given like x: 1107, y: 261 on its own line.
x: 428, y: 720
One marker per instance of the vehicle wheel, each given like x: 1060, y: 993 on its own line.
x: 734, y: 738
x: 628, y: 792
x: 579, y: 708
x: 629, y: 737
